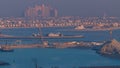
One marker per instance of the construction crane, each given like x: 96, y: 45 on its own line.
x: 111, y: 32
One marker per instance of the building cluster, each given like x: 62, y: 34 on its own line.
x: 46, y: 16
x: 86, y: 22
x: 41, y: 11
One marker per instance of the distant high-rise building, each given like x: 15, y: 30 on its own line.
x: 41, y: 11
x: 53, y: 13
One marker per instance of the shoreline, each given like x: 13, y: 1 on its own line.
x: 114, y: 66
x: 102, y: 29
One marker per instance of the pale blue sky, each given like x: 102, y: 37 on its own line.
x: 65, y: 7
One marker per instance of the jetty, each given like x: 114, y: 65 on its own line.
x: 45, y: 44
x: 45, y: 37
x: 24, y: 46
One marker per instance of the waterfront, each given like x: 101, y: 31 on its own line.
x: 48, y: 57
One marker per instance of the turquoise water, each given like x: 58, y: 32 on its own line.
x: 63, y: 58
x: 48, y: 57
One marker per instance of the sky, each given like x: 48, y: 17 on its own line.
x: 16, y: 8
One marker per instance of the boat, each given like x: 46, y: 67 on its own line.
x: 3, y: 63
x: 6, y: 49
x: 81, y: 27
x: 55, y: 34
x: 36, y: 35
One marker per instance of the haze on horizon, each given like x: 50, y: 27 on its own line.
x: 16, y: 8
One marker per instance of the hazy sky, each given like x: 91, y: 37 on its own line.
x: 65, y: 7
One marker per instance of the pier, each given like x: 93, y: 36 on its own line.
x: 23, y: 46
x: 45, y: 44
x: 45, y: 37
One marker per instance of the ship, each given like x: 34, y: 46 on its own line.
x: 6, y: 49
x: 55, y: 34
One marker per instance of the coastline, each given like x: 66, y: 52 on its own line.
x: 117, y: 66
x: 104, y: 29
x: 87, y: 29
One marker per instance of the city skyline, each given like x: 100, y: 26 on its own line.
x: 16, y: 8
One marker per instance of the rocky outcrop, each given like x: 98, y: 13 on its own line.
x: 110, y: 48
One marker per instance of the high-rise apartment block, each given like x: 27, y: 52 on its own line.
x: 41, y: 11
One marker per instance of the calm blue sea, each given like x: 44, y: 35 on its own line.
x: 49, y: 57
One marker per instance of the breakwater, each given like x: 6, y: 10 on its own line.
x: 55, y: 45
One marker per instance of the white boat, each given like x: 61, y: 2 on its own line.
x: 55, y: 35
x: 36, y: 35
x: 81, y: 27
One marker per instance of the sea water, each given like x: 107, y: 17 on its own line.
x: 62, y: 58
x: 50, y: 57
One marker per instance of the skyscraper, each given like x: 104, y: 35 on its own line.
x: 41, y: 11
